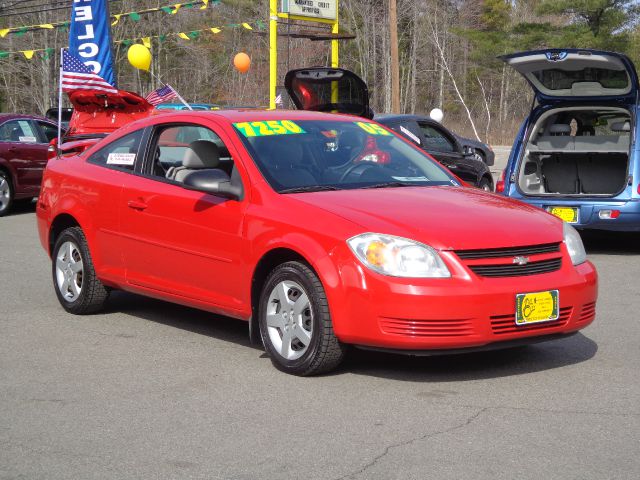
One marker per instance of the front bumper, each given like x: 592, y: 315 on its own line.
x: 465, y: 311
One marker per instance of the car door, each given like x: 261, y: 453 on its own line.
x: 441, y: 145
x: 183, y: 243
x: 26, y: 152
x: 46, y: 132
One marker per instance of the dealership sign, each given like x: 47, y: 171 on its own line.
x: 311, y: 8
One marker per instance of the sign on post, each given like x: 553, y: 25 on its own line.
x: 326, y: 9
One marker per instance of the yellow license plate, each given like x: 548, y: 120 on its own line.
x: 537, y: 307
x: 568, y: 214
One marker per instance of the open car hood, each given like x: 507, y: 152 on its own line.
x: 573, y: 74
x: 97, y: 112
x: 324, y: 89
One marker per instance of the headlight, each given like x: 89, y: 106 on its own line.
x: 398, y: 257
x: 574, y: 245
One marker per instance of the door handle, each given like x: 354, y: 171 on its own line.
x: 13, y: 149
x: 136, y: 204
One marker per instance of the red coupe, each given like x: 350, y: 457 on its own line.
x: 319, y: 230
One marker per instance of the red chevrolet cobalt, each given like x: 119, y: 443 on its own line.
x: 319, y: 230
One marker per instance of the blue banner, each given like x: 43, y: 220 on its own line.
x: 90, y: 37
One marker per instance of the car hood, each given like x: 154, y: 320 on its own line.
x: 97, y: 112
x: 447, y: 218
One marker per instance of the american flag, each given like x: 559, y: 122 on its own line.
x: 161, y: 95
x: 77, y: 76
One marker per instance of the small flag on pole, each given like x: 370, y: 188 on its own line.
x: 77, y: 76
x: 161, y: 95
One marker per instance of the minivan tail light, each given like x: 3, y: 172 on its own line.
x: 500, y: 183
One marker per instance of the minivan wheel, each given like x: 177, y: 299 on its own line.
x: 295, y: 322
x: 74, y: 279
x: 6, y: 193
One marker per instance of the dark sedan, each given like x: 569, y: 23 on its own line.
x: 24, y: 140
x: 441, y: 144
x: 482, y: 151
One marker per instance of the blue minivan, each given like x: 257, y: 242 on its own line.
x: 576, y: 154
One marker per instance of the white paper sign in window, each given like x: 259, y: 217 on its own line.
x: 410, y: 134
x: 123, y: 159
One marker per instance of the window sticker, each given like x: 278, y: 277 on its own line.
x: 28, y: 139
x: 373, y: 129
x: 266, y: 128
x: 126, y: 159
x: 409, y: 134
x: 26, y: 129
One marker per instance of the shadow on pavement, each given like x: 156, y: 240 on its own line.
x: 448, y: 368
x: 21, y: 207
x: 611, y: 243
x: 473, y: 366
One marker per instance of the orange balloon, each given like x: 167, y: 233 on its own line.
x: 242, y: 62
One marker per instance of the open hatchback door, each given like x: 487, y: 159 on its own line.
x: 324, y: 89
x: 573, y: 75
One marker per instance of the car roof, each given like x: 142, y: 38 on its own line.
x: 391, y: 117
x: 11, y: 116
x: 241, y: 115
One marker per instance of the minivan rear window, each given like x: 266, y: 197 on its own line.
x: 556, y: 79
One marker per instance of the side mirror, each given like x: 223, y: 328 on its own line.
x: 213, y: 181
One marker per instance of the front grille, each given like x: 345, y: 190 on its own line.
x: 508, y: 252
x: 501, y: 324
x: 513, y: 270
x: 426, y: 328
x: 588, y: 312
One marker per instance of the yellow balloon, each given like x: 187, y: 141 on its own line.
x: 139, y: 56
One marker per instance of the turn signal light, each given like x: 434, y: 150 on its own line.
x: 608, y: 214
x: 52, y: 151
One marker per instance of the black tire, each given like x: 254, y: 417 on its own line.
x: 84, y: 293
x: 6, y: 193
x: 485, y: 184
x: 323, y: 352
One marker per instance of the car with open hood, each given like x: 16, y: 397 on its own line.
x: 338, y: 90
x: 576, y: 153
x: 273, y: 218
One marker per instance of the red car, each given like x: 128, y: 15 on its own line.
x: 24, y: 140
x: 319, y: 230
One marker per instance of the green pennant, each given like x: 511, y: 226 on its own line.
x: 47, y: 53
x: 187, y: 5
x: 260, y: 24
x: 4, y: 54
x: 193, y: 35
x: 134, y: 16
x: 21, y: 32
x: 162, y: 38
x: 127, y: 43
x: 64, y: 26
x: 233, y: 25
x: 166, y: 9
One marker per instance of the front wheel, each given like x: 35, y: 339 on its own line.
x: 78, y: 289
x: 295, y: 322
x: 485, y: 184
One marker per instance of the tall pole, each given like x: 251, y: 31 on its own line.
x: 273, y: 52
x: 395, y: 64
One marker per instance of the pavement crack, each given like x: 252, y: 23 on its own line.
x: 404, y: 443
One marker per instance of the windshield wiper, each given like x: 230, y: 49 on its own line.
x: 310, y: 188
x: 389, y: 184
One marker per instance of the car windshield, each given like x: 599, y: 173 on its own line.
x: 314, y: 155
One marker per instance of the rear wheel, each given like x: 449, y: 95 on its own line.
x: 6, y: 193
x: 295, y: 323
x: 78, y: 289
x: 485, y: 184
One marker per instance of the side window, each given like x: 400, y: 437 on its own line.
x: 180, y: 149
x: 435, y: 140
x: 120, y: 154
x: 22, y: 131
x: 50, y: 131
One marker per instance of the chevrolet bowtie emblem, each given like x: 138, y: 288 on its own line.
x: 520, y: 260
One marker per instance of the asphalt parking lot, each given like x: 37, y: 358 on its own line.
x: 152, y: 390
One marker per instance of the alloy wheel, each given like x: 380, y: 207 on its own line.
x: 69, y: 271
x: 5, y: 193
x: 289, y: 319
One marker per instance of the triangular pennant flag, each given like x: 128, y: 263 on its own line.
x: 216, y: 30
x: 28, y: 54
x: 127, y: 43
x: 146, y: 41
x: 260, y: 25
x: 176, y: 7
x: 184, y: 35
x: 4, y: 31
x: 21, y: 32
x: 162, y: 38
x: 193, y: 35
x: 247, y: 26
x: 204, y: 4
x: 117, y: 19
x: 47, y: 53
x: 134, y: 16
x: 166, y: 9
x: 4, y: 54
x: 46, y: 25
